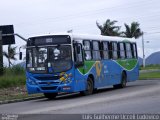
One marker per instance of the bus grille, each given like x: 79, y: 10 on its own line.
x: 46, y: 83
x: 49, y: 88
x: 47, y: 78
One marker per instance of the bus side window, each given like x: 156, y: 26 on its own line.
x: 105, y: 47
x: 87, y: 50
x: 96, y: 50
x: 78, y: 55
x: 121, y: 50
x: 128, y: 50
x: 134, y: 50
x: 114, y: 50
x: 110, y: 50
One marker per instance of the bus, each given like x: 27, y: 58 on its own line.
x: 66, y: 63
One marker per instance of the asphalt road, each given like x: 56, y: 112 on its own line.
x: 138, y: 97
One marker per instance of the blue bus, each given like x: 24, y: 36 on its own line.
x: 79, y: 63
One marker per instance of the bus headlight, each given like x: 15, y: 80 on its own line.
x: 32, y: 82
x: 31, y: 69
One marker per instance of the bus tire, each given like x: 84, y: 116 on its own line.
x: 50, y: 96
x: 90, y: 87
x: 123, y: 82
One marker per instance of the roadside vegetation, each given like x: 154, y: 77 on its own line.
x: 149, y: 75
x: 150, y: 67
x: 12, y: 84
x: 149, y: 72
x: 12, y: 77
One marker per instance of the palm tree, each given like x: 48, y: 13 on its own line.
x: 10, y: 55
x: 109, y: 28
x: 133, y: 30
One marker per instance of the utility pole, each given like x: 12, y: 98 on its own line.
x: 143, y: 49
x: 1, y: 54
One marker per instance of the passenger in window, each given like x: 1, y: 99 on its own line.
x: 87, y: 55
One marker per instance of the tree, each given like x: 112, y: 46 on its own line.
x: 133, y: 30
x: 109, y: 28
x: 10, y: 55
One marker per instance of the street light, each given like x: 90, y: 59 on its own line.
x: 143, y: 49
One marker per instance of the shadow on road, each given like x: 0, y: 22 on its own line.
x: 68, y: 96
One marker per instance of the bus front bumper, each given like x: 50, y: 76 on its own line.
x: 32, y: 89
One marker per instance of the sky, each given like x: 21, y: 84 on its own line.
x: 36, y: 17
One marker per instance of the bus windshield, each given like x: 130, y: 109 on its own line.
x: 58, y: 58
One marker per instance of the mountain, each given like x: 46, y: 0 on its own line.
x: 154, y: 58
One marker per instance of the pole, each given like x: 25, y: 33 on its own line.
x: 16, y: 35
x: 143, y: 50
x: 1, y: 54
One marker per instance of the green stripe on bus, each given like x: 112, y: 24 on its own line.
x: 87, y: 66
x: 128, y: 64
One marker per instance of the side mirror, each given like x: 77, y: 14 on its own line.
x: 20, y: 56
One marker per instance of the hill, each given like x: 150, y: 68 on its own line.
x: 154, y: 58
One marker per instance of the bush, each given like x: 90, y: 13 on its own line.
x: 14, y: 76
x: 18, y: 70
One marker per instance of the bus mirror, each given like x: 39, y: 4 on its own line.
x: 20, y: 56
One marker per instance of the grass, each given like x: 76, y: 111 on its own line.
x: 148, y: 67
x: 14, y: 76
x: 149, y: 75
x: 12, y: 84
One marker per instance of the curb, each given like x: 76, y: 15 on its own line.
x: 25, y: 99
x: 20, y: 100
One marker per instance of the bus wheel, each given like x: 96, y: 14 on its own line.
x: 50, y: 96
x: 123, y: 82
x: 90, y: 88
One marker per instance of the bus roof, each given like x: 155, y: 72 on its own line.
x: 80, y: 37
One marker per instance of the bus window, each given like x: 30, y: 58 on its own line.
x: 78, y: 55
x: 128, y: 50
x: 110, y: 50
x: 96, y: 50
x: 134, y: 51
x: 29, y: 57
x: 105, y: 50
x: 122, y: 50
x: 87, y: 49
x: 114, y: 50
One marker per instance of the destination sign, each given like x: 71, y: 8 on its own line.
x: 49, y: 40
